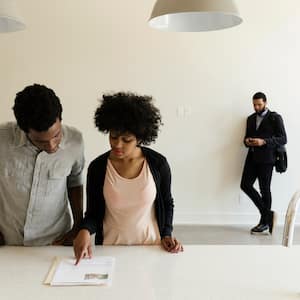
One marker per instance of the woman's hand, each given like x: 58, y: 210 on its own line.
x: 171, y: 244
x: 82, y: 245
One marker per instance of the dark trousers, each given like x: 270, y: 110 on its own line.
x: 262, y: 172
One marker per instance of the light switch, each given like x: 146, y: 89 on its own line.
x: 187, y: 111
x: 183, y: 111
x: 180, y: 111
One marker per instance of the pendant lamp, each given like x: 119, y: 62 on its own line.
x: 9, y: 17
x: 194, y: 15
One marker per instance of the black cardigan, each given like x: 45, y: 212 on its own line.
x: 159, y: 167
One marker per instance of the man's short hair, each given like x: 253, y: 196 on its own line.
x: 260, y: 95
x: 37, y: 107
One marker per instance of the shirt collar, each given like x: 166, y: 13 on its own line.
x: 21, y: 139
x: 62, y: 143
x: 264, y: 113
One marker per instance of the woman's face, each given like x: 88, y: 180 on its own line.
x: 122, y: 145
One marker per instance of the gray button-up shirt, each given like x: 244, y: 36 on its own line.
x: 34, y: 206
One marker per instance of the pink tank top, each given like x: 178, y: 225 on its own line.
x: 129, y: 212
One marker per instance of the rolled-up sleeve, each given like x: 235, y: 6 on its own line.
x: 76, y: 176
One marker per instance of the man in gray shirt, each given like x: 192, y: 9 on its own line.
x: 41, y: 163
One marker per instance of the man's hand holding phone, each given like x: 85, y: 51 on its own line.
x: 255, y: 142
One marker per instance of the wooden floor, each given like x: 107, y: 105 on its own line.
x: 228, y: 235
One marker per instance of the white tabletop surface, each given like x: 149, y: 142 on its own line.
x: 148, y: 273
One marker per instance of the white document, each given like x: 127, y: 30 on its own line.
x: 94, y: 271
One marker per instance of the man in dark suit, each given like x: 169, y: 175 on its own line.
x: 265, y: 132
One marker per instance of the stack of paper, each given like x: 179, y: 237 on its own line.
x: 94, y: 271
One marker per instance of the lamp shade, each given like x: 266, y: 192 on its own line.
x: 9, y: 18
x: 194, y: 15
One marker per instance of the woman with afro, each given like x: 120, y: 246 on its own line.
x: 129, y: 199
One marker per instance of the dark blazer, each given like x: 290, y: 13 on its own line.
x: 272, y: 130
x: 159, y: 167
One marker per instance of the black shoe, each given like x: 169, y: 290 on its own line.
x: 261, y: 221
x: 260, y: 229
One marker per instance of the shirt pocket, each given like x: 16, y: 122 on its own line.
x: 57, y: 180
x: 10, y: 170
x: 15, y: 174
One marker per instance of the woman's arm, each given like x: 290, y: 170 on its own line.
x: 94, y: 215
x: 169, y: 243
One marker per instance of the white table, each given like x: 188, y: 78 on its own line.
x: 148, y: 273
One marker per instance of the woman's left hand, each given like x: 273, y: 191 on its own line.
x: 171, y: 244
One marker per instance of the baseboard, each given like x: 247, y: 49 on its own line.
x: 187, y: 218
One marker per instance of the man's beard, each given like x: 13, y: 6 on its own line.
x: 260, y: 112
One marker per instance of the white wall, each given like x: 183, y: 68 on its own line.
x: 84, y: 48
